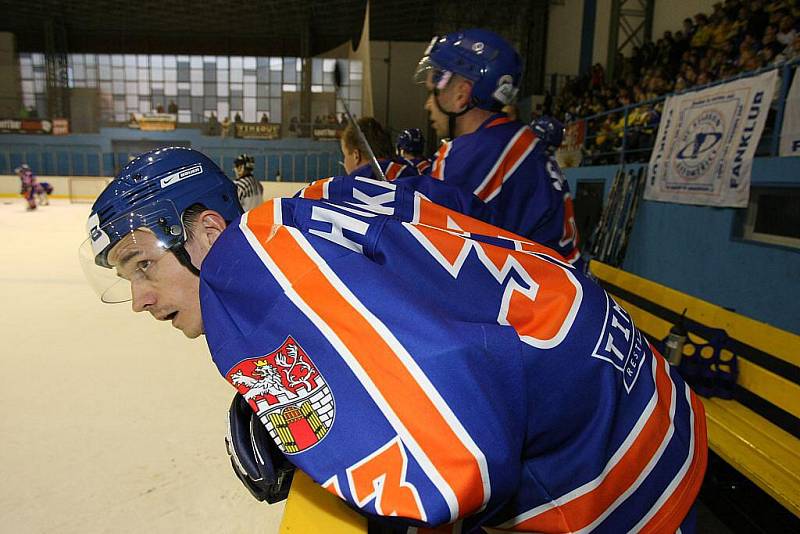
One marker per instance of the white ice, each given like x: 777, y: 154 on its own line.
x: 109, y: 420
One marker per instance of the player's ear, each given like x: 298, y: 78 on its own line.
x: 210, y: 225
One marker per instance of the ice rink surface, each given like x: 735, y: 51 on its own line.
x: 110, y: 421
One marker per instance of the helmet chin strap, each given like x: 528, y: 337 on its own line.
x: 185, y: 259
x: 451, y: 116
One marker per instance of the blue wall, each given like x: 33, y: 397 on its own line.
x: 693, y: 249
x: 299, y: 160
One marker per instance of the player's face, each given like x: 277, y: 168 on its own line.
x: 453, y: 98
x: 160, y: 284
x: 352, y: 158
x: 436, y: 116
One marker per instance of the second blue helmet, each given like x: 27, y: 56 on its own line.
x: 411, y: 140
x: 549, y: 130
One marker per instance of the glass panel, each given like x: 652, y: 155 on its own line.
x: 250, y: 63
x: 170, y: 62
x: 130, y: 60
x: 316, y: 71
x: 156, y: 62
x: 250, y: 110
x: 197, y: 89
x: 196, y: 62
x: 222, y: 62
x: 275, y: 64
x: 143, y: 61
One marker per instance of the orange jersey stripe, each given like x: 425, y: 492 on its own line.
x: 516, y: 151
x: 388, y: 374
x: 584, y: 509
x: 394, y: 170
x: 438, y: 163
x: 317, y: 190
x: 671, y: 514
x: 498, y: 121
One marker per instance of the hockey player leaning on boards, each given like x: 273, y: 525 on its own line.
x: 248, y: 188
x: 470, y: 75
x: 420, y: 364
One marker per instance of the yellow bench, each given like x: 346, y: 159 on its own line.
x: 758, y: 432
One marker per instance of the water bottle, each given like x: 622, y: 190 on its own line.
x: 673, y: 346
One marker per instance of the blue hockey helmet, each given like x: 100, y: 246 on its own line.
x: 411, y: 140
x: 549, y: 130
x: 480, y: 56
x: 152, y: 192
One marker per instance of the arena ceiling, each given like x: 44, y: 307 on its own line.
x: 264, y: 27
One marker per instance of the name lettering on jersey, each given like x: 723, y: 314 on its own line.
x: 377, y: 203
x: 541, y: 296
x: 620, y: 343
x: 382, y: 476
x: 339, y: 222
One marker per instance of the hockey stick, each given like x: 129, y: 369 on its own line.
x: 373, y: 161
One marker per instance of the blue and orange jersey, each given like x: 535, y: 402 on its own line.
x: 507, y: 167
x: 440, y: 372
x: 392, y: 169
x: 423, y: 165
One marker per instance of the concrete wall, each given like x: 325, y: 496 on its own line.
x: 10, y: 96
x: 564, y: 37
x: 101, y: 154
x: 398, y: 102
x: 87, y: 188
x: 692, y: 249
x: 669, y: 15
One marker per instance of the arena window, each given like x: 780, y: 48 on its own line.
x: 772, y: 216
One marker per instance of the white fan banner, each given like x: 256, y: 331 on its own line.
x: 790, y: 131
x: 706, y: 143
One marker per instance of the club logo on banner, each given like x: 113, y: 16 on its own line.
x: 790, y: 131
x: 706, y: 142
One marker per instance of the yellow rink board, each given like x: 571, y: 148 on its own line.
x: 765, y: 453
x: 311, y: 509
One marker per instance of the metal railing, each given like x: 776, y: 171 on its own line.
x: 634, y: 142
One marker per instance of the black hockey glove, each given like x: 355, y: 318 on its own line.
x: 255, y: 457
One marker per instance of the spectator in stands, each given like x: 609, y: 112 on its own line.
x: 159, y: 108
x: 226, y: 126
x: 786, y: 30
x: 791, y: 52
x: 172, y: 107
x: 213, y: 127
x: 265, y: 118
x: 237, y: 117
x: 703, y: 32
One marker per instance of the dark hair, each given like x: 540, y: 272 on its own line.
x: 190, y: 216
x: 376, y: 136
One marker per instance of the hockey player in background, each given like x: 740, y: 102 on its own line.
x: 430, y: 372
x: 550, y: 131
x: 28, y: 185
x: 470, y: 76
x: 248, y: 188
x: 356, y: 157
x: 411, y: 147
